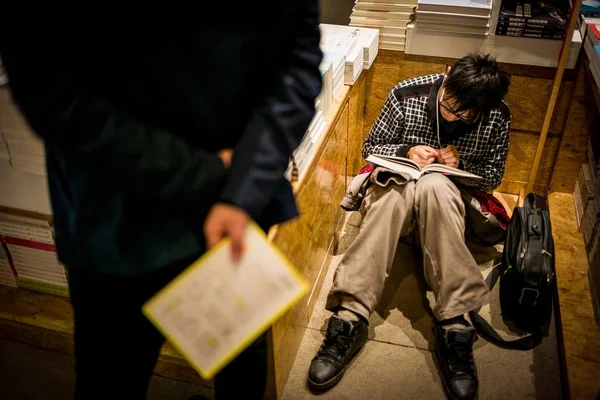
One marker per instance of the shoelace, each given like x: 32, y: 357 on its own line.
x: 335, y: 347
x: 461, y: 358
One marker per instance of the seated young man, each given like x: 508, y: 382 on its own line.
x: 457, y: 119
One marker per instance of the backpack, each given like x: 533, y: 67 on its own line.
x: 527, y: 276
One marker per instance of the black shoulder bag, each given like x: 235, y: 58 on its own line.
x: 527, y: 276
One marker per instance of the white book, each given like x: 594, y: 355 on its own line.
x: 216, y: 308
x: 466, y: 29
x: 341, y: 43
x: 390, y: 37
x: 396, y: 7
x: 473, y: 7
x: 435, y: 17
x: 326, y: 96
x: 367, y: 38
x: 392, y: 46
x: 406, y: 166
x: 377, y: 22
x: 404, y: 16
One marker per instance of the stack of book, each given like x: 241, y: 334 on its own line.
x: 590, y: 8
x: 367, y: 38
x: 338, y: 65
x: 591, y: 45
x: 338, y: 42
x: 390, y: 17
x: 469, y: 17
x: 325, y: 98
x: 590, y: 15
x: 25, y: 150
x: 7, y: 276
x: 32, y: 254
x: 586, y: 197
x: 534, y: 19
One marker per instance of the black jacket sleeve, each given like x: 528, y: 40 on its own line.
x: 276, y: 128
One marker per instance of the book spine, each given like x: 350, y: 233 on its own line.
x: 531, y: 35
x: 530, y: 21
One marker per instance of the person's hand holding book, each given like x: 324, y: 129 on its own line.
x: 223, y: 221
x: 423, y: 155
x: 449, y: 156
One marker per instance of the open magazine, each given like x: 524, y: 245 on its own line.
x: 411, y: 168
x: 215, y: 309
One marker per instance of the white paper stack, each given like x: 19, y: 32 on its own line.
x: 7, y: 277
x: 368, y: 38
x: 338, y: 63
x: 305, y: 151
x: 324, y: 99
x: 390, y: 17
x: 32, y: 254
x: 25, y: 150
x: 592, y: 49
x: 338, y: 42
x: 469, y: 17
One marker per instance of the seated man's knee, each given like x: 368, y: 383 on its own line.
x: 435, y: 183
x: 388, y: 195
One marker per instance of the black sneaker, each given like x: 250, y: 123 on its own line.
x: 343, y: 340
x: 454, y: 351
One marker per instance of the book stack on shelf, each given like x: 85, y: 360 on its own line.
x: 469, y: 17
x: 338, y: 42
x: 586, y: 197
x: 592, y: 49
x: 367, y: 38
x: 24, y: 149
x: 7, y: 276
x: 32, y: 254
x: 589, y: 15
x: 390, y: 17
x: 534, y: 19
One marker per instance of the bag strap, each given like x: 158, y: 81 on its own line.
x: 534, y: 201
x: 489, y: 333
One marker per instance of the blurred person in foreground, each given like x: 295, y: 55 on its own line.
x: 159, y: 143
x: 457, y: 119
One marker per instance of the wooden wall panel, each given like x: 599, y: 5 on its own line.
x: 528, y: 99
x: 356, y: 125
x: 520, y: 158
x: 307, y: 240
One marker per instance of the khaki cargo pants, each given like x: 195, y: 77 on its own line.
x: 436, y: 206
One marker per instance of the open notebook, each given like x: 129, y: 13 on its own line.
x: 404, y: 165
x: 214, y: 309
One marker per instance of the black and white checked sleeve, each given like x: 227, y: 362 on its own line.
x: 386, y: 135
x: 492, y: 171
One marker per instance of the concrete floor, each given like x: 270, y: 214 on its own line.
x: 31, y: 373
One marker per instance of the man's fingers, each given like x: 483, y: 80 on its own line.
x: 447, y: 156
x: 213, y: 235
x: 426, y: 152
x: 236, y: 233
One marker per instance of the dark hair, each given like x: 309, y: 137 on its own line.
x: 477, y: 84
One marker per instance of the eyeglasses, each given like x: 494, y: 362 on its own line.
x: 454, y: 112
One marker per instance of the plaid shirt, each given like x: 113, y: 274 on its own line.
x: 408, y: 119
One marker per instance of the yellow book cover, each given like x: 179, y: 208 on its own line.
x: 215, y: 309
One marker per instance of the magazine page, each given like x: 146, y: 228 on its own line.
x: 215, y: 309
